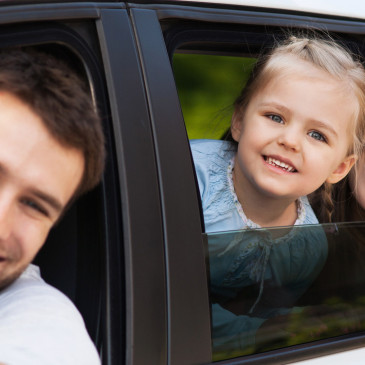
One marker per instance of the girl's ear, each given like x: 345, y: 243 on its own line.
x: 236, y: 125
x: 342, y: 170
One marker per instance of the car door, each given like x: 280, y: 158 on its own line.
x: 217, y: 32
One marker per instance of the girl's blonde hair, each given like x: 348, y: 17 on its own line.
x: 329, y: 56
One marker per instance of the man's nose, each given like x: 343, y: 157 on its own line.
x: 6, y: 216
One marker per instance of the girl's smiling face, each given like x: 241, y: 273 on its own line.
x: 294, y: 134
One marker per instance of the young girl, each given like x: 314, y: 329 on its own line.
x: 297, y: 125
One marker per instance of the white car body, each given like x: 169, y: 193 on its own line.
x: 348, y: 9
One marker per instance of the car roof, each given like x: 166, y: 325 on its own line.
x: 337, y: 8
x: 342, y: 8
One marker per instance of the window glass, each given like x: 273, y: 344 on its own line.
x: 277, y: 287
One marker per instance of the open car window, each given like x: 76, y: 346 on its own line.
x: 72, y: 258
x: 269, y: 288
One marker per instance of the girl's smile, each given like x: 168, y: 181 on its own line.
x: 279, y: 164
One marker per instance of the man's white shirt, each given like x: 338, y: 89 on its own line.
x: 40, y: 325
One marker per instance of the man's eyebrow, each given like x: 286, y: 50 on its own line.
x: 49, y: 199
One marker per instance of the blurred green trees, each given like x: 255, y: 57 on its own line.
x: 207, y: 87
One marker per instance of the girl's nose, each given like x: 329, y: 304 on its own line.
x: 290, y: 138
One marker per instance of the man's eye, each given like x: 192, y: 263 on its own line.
x: 33, y: 205
x: 276, y: 118
x: 318, y: 136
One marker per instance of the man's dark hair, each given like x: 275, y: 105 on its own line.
x: 59, y: 97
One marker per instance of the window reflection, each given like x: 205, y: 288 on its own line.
x: 278, y: 287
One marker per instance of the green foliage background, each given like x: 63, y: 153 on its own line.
x: 207, y: 87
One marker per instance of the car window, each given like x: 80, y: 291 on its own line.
x: 268, y: 288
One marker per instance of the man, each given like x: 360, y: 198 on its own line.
x: 51, y: 151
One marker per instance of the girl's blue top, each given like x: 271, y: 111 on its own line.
x: 279, y: 269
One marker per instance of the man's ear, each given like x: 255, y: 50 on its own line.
x: 236, y: 125
x: 342, y: 169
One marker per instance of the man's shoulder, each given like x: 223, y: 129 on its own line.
x: 43, y: 322
x: 30, y: 287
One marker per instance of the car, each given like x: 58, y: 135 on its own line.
x: 131, y: 254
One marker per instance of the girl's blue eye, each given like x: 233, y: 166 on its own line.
x: 275, y: 118
x: 318, y: 136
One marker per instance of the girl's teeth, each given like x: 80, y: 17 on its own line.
x: 285, y: 166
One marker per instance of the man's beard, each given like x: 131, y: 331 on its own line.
x: 9, y: 279
x: 11, y: 265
